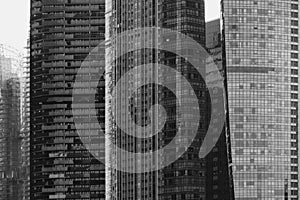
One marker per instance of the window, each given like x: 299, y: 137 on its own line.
x: 294, y: 15
x: 239, y: 110
x: 294, y: 128
x: 253, y: 61
x: 294, y: 184
x: 294, y: 169
x: 294, y: 39
x: 294, y: 47
x: 234, y: 11
x: 236, y: 61
x: 294, y: 88
x: 262, y: 45
x: 262, y: 12
x: 294, y: 7
x: 239, y: 126
x: 294, y: 31
x: 294, y: 64
x: 233, y: 44
x: 234, y: 27
x: 294, y: 80
x: 294, y: 120
x: 294, y: 55
x: 294, y: 23
x: 295, y: 160
x: 294, y: 104
x: 250, y: 183
x: 294, y: 72
x: 294, y: 112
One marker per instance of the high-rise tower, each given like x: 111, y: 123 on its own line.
x: 62, y: 34
x: 10, y: 124
x: 218, y: 173
x: 25, y: 127
x: 261, y: 44
x: 183, y: 179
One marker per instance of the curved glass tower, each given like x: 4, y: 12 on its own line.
x: 183, y: 179
x: 261, y: 51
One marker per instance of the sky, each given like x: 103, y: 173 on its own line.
x: 14, y: 21
x: 212, y: 9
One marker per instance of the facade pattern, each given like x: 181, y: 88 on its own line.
x: 62, y: 34
x: 25, y: 127
x: 261, y: 42
x: 218, y: 173
x: 10, y: 120
x: 184, y: 179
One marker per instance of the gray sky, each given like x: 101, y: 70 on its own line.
x: 14, y: 23
x: 213, y: 9
x: 14, y: 18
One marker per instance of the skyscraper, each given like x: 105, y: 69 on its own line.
x: 62, y: 33
x: 25, y: 127
x: 218, y: 172
x: 183, y: 179
x: 10, y: 125
x: 261, y: 44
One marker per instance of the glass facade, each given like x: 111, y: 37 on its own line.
x: 10, y: 121
x: 218, y: 173
x: 185, y: 178
x: 25, y: 127
x: 62, y: 34
x: 261, y: 57
x: 123, y: 15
